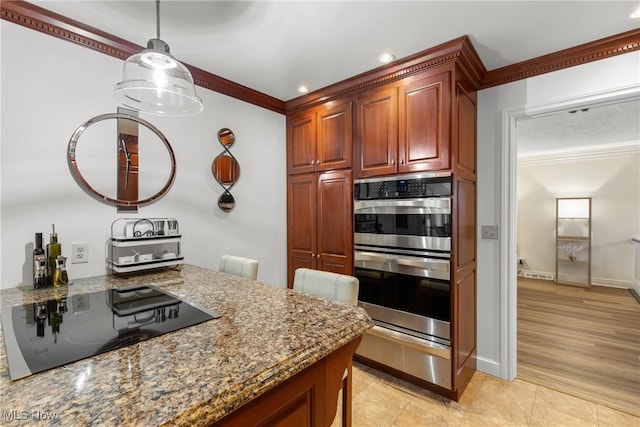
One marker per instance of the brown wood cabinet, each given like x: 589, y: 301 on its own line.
x: 320, y: 139
x: 309, y: 398
x: 377, y: 132
x: 320, y: 222
x: 405, y: 127
x: 417, y: 114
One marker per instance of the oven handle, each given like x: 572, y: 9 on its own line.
x: 415, y: 343
x: 430, y: 205
x: 435, y: 268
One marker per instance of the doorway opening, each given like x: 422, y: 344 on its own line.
x: 508, y: 210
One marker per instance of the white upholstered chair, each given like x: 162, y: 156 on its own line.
x: 239, y: 266
x: 334, y: 286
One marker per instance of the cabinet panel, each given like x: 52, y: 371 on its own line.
x: 301, y: 222
x: 320, y: 222
x: 464, y: 335
x: 465, y: 148
x: 301, y: 143
x: 335, y: 137
x: 425, y: 116
x: 377, y: 138
x: 335, y: 224
x: 465, y: 222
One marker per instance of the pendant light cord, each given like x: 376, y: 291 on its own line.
x: 158, y: 19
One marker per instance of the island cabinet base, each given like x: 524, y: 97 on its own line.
x: 310, y: 398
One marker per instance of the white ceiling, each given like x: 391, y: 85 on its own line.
x: 275, y: 46
x: 602, y: 128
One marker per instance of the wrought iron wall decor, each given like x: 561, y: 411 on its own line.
x: 225, y: 169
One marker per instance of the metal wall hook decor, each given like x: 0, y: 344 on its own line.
x: 225, y: 169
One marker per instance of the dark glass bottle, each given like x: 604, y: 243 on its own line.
x: 39, y: 264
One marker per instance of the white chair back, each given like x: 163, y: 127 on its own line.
x: 334, y: 286
x: 238, y: 266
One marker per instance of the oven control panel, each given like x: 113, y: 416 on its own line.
x: 405, y: 186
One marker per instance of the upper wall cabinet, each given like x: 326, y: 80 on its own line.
x: 320, y: 139
x: 377, y: 132
x: 405, y: 127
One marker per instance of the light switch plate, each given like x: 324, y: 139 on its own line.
x: 489, y: 231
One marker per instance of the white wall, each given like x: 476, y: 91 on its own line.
x: 613, y: 183
x: 49, y: 87
x: 592, y: 78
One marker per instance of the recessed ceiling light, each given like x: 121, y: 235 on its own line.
x: 303, y: 89
x: 385, y: 58
x: 635, y: 14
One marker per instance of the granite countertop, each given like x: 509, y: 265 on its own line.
x: 193, y: 376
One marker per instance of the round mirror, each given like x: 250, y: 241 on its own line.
x: 225, y: 169
x: 226, y: 137
x: 226, y: 202
x: 139, y: 164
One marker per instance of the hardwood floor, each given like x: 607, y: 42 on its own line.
x: 581, y: 341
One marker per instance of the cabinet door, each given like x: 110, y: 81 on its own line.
x: 301, y: 223
x: 335, y: 222
x: 335, y: 137
x: 377, y: 132
x: 301, y: 143
x: 425, y: 122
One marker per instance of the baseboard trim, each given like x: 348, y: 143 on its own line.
x: 489, y: 366
x: 612, y: 283
x: 635, y: 294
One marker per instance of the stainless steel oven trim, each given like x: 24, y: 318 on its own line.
x: 422, y: 345
x: 375, y: 208
x: 403, y: 251
x: 403, y: 241
x: 429, y: 205
x: 414, y: 175
x: 412, y: 324
x: 404, y: 264
x: 381, y: 346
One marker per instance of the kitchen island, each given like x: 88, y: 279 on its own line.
x: 273, y: 355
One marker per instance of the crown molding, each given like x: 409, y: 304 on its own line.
x: 459, y: 51
x: 600, y: 49
x: 595, y: 152
x: 50, y: 23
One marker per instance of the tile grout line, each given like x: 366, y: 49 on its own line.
x: 533, y: 405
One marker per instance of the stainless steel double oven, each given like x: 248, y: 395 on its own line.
x: 402, y: 257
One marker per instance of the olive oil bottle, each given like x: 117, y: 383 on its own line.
x: 53, y: 250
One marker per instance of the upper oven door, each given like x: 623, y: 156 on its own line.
x: 406, y: 223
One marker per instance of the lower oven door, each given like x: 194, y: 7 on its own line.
x: 409, y: 298
x: 413, y: 287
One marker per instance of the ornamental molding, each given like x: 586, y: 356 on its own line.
x: 594, y: 51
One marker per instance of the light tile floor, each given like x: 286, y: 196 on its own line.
x: 382, y: 400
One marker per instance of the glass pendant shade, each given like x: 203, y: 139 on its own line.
x: 155, y: 82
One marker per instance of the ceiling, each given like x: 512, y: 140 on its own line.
x: 274, y: 46
x: 601, y: 128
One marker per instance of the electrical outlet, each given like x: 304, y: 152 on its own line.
x: 79, y: 252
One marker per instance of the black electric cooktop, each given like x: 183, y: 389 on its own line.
x: 45, y: 335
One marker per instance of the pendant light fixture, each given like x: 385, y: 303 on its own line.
x: 155, y: 82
